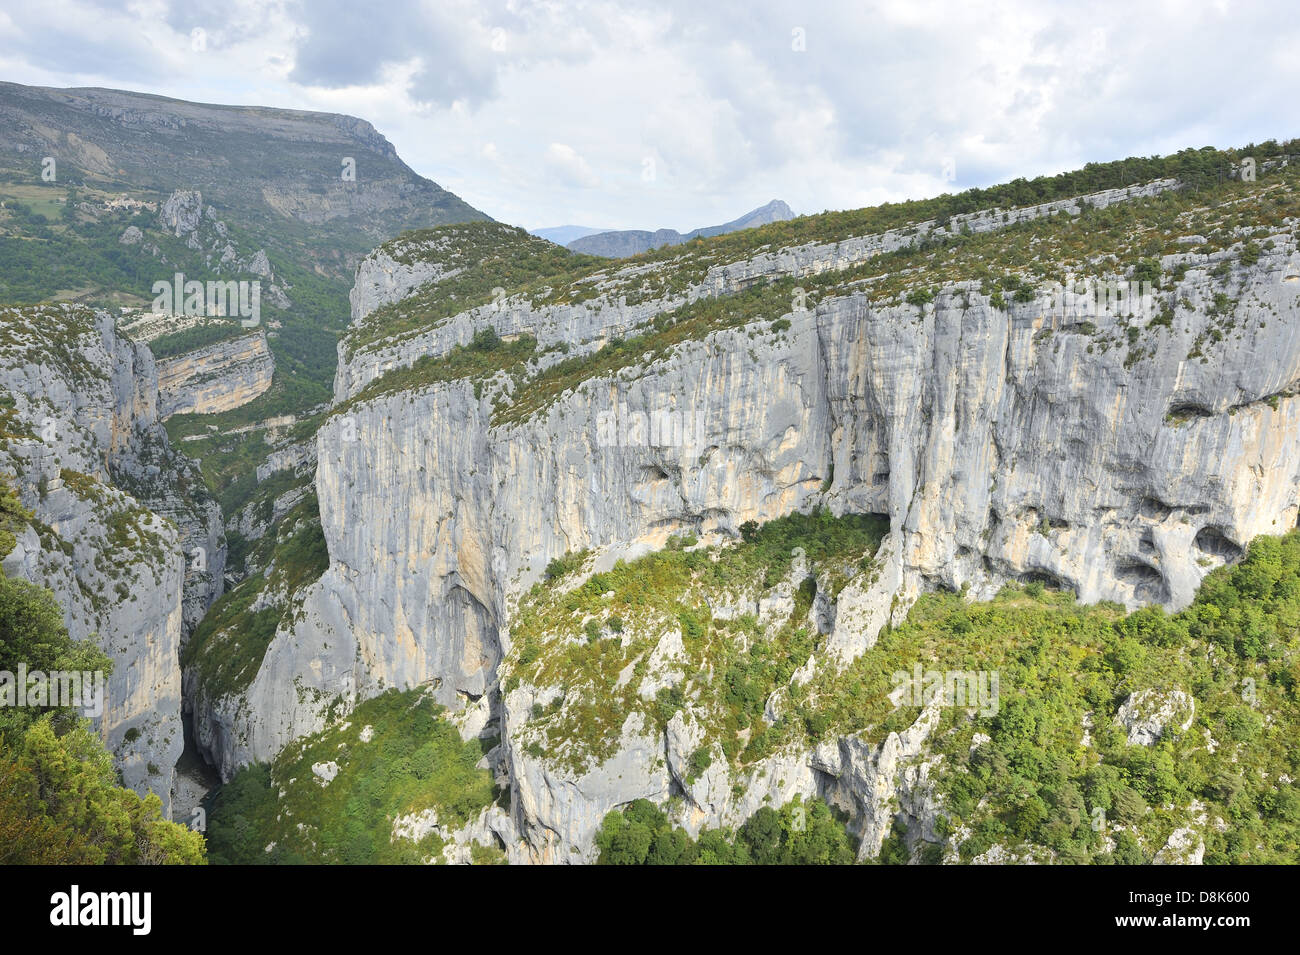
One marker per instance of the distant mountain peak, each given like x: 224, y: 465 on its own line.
x: 622, y: 243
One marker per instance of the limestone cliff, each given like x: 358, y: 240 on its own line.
x: 123, y: 533
x: 1004, y: 435
x: 215, y: 378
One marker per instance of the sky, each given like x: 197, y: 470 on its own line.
x: 682, y: 113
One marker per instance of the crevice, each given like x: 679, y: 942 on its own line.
x: 1148, y: 583
x: 1212, y: 540
x: 1048, y: 579
x: 1187, y: 411
x: 1154, y: 509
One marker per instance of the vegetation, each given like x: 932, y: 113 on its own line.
x: 731, y: 665
x: 61, y: 804
x: 61, y: 801
x: 497, y: 257
x: 477, y: 258
x: 1063, y: 668
x: 12, y: 518
x: 487, y: 354
x: 1047, y: 773
x: 1042, y: 252
x: 395, y: 756
x: 192, y: 339
x: 796, y: 834
x: 228, y: 646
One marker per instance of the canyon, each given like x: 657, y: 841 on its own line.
x: 497, y: 456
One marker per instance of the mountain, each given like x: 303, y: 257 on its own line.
x: 121, y: 530
x: 175, y: 445
x: 958, y: 530
x: 564, y: 234
x: 139, y: 188
x: 279, y: 173
x: 621, y: 244
x: 682, y: 542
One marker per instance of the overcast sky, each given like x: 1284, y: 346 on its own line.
x: 683, y: 113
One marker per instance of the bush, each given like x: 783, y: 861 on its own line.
x: 485, y: 340
x: 797, y: 834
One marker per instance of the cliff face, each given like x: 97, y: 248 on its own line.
x: 1003, y: 441
x: 613, y: 303
x: 216, y: 378
x: 133, y: 561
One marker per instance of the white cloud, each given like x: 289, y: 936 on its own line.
x: 545, y: 113
x: 571, y: 168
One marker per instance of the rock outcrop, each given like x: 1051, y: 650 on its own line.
x: 217, y: 377
x: 1000, y: 441
x: 133, y: 563
x: 1147, y: 715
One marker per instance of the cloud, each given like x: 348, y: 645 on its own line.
x: 346, y: 43
x: 571, y: 168
x: 876, y: 101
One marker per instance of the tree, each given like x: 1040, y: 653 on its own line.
x: 1129, y: 806
x: 12, y: 513
x: 32, y: 634
x: 762, y: 834
x: 1127, y: 851
x: 59, y: 797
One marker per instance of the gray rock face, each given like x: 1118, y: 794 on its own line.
x: 873, y: 784
x: 999, y: 446
x: 217, y: 377
x: 1147, y: 714
x: 562, y: 813
x: 293, y: 457
x: 182, y: 212
x: 133, y: 564
x: 308, y: 666
x: 1186, y: 844
x: 381, y: 279
x: 586, y: 326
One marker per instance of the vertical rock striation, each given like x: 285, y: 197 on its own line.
x: 133, y: 559
x: 999, y: 441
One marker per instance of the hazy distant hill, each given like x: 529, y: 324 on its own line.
x: 632, y: 242
x: 564, y: 234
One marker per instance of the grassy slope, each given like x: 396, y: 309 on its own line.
x: 415, y: 760
x: 1033, y: 785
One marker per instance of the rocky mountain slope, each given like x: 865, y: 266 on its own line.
x: 269, y: 168
x: 515, y: 434
x: 124, y: 533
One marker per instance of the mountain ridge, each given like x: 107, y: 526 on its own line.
x: 602, y: 422
x: 628, y: 242
x: 271, y: 169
